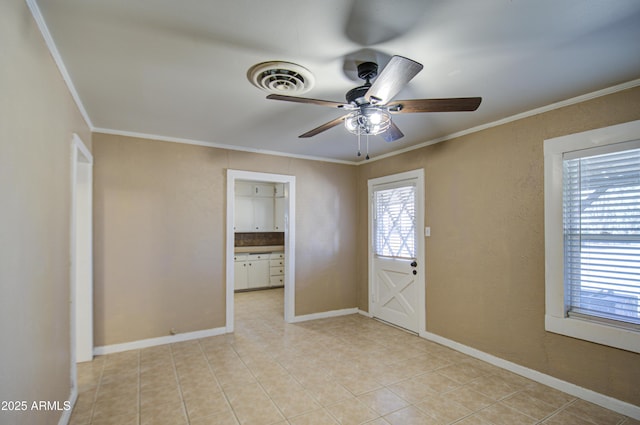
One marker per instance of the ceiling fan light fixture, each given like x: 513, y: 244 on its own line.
x: 281, y: 77
x: 370, y: 121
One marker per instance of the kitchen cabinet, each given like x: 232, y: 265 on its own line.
x: 256, y: 189
x: 240, y: 271
x: 259, y: 207
x: 263, y: 215
x: 276, y: 269
x: 243, y: 188
x: 264, y: 190
x: 278, y: 218
x: 254, y: 214
x: 244, y: 214
x: 278, y: 190
x: 259, y: 270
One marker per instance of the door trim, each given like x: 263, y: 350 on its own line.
x: 289, y: 240
x: 81, y: 274
x: 418, y: 176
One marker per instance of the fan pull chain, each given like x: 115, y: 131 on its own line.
x: 359, y: 153
x: 367, y: 157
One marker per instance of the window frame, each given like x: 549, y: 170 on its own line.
x: 556, y: 319
x: 377, y: 219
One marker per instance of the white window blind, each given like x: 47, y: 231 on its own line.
x: 601, y: 220
x: 395, y: 222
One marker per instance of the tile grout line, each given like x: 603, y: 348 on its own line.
x: 257, y: 334
x: 139, y: 387
x: 95, y: 396
x: 177, y: 377
x: 226, y: 397
x: 557, y: 411
x: 259, y: 383
x: 461, y: 385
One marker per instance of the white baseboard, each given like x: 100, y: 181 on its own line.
x: 607, y: 402
x: 66, y: 414
x: 152, y: 342
x: 365, y: 313
x: 324, y: 315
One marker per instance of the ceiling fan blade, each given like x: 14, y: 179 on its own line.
x: 323, y: 127
x: 392, y: 133
x: 329, y: 103
x: 454, y: 104
x: 398, y: 72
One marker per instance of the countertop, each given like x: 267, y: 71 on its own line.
x: 253, y: 249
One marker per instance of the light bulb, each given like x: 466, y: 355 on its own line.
x: 351, y: 122
x: 372, y: 120
x: 375, y: 118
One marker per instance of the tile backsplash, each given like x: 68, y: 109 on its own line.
x: 259, y: 238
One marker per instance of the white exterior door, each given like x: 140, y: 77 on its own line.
x: 396, y: 257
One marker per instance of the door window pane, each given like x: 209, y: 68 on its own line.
x: 395, y: 222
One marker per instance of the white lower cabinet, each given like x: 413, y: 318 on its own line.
x: 240, y: 271
x: 260, y: 270
x: 276, y: 269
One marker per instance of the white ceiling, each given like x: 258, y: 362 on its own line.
x: 178, y: 69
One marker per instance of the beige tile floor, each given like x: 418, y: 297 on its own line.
x: 346, y: 370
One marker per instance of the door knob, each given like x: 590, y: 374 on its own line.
x: 414, y: 264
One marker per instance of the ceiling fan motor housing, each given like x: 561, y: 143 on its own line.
x: 366, y: 71
x: 356, y: 96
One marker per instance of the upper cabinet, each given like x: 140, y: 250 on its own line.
x: 278, y: 190
x: 255, y: 189
x: 278, y: 218
x: 259, y: 207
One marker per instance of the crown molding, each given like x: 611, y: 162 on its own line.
x: 516, y: 117
x: 216, y: 145
x: 37, y: 15
x: 44, y: 30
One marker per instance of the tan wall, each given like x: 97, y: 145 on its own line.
x: 485, y: 259
x: 160, y: 234
x: 159, y: 243
x: 37, y: 120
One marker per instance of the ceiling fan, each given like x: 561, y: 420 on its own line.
x: 370, y: 106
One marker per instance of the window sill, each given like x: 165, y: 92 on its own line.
x: 587, y: 330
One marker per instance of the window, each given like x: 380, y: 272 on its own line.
x: 592, y: 235
x: 601, y: 209
x: 395, y: 222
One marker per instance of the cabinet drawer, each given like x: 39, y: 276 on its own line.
x: 276, y: 271
x: 276, y: 281
x: 240, y: 257
x: 276, y: 263
x: 277, y: 255
x: 261, y: 256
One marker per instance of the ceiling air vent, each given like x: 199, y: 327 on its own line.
x: 281, y: 77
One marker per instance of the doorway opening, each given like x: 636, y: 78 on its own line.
x: 81, y: 288
x: 287, y: 209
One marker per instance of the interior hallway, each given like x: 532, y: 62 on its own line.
x: 346, y: 370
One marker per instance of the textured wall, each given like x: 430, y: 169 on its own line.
x: 37, y: 120
x: 160, y: 217
x: 484, y: 200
